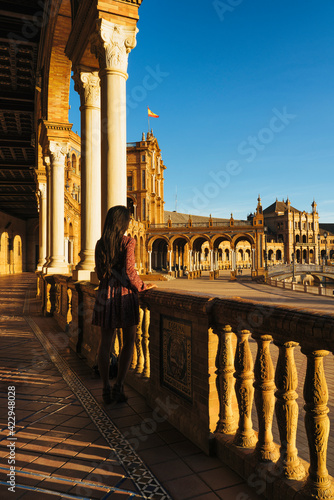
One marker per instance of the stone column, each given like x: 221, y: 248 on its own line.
x: 48, y: 211
x: 66, y: 245
x: 56, y: 263
x: 170, y: 260
x: 111, y: 44
x: 233, y: 260
x: 190, y: 260
x: 42, y: 188
x: 150, y: 261
x: 87, y: 84
x: 211, y: 260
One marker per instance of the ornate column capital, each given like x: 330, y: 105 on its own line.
x: 58, y: 152
x: 42, y: 189
x: 87, y: 84
x: 112, y: 43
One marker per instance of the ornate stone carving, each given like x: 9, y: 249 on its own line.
x: 264, y: 399
x: 58, y: 152
x: 286, y: 409
x: 318, y: 483
x: 145, y: 344
x: 112, y: 43
x: 245, y: 436
x: 225, y: 382
x: 87, y: 84
x: 42, y: 189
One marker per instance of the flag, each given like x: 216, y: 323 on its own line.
x: 151, y: 114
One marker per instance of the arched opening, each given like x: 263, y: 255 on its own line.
x: 222, y: 248
x: 131, y: 206
x: 200, y: 244
x: 270, y: 255
x: 181, y: 258
x: 304, y: 255
x: 278, y: 255
x: 240, y: 256
x: 17, y: 254
x: 243, y: 251
x: 297, y: 238
x: 298, y: 256
x: 304, y: 238
x: 312, y: 261
x: 159, y: 255
x: 74, y: 163
x: 227, y: 256
x: 4, y: 268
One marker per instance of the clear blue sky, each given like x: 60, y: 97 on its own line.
x: 245, y: 94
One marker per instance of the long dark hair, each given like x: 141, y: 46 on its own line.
x: 108, y: 248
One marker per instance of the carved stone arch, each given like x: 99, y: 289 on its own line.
x: 220, y: 238
x: 245, y: 237
x: 181, y: 237
x: 154, y: 238
x: 57, y: 74
x: 199, y: 238
x: 17, y: 253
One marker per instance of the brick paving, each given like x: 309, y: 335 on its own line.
x: 67, y: 444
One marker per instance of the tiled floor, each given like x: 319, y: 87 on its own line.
x: 68, y: 445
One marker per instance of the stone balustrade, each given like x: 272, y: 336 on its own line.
x: 212, y: 361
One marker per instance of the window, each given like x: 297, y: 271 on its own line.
x: 143, y: 157
x: 144, y: 209
x: 153, y: 183
x: 130, y: 186
x: 143, y: 179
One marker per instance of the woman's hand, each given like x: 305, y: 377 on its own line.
x: 150, y: 285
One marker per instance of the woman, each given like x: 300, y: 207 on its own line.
x: 117, y: 304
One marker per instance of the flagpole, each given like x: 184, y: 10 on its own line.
x: 148, y: 118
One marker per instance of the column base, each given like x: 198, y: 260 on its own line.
x: 59, y: 269
x: 82, y: 275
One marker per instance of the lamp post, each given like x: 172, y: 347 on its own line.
x: 325, y: 236
x: 319, y: 252
x: 265, y: 248
x: 293, y: 268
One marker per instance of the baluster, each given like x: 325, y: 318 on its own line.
x: 245, y: 436
x: 225, y: 382
x: 265, y: 449
x: 69, y: 306
x: 48, y: 298
x: 139, y: 347
x: 318, y: 483
x: 146, y: 340
x: 286, y: 408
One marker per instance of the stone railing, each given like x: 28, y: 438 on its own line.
x: 210, y: 359
x: 297, y: 287
x: 300, y: 268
